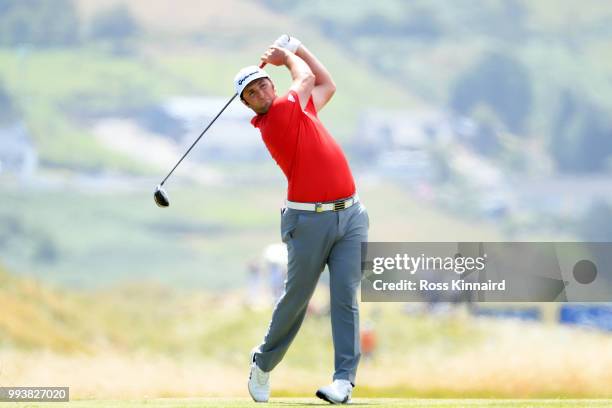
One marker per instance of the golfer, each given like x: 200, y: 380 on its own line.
x: 323, y: 222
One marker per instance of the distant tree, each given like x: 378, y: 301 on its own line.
x: 505, y: 20
x: 46, y: 251
x: 422, y: 23
x: 43, y: 23
x: 581, y: 139
x: 442, y: 171
x: 7, y: 107
x: 500, y: 82
x: 373, y: 24
x: 115, y: 24
x: 283, y: 5
x: 330, y: 28
x: 486, y: 138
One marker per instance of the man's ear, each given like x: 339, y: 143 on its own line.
x: 245, y: 102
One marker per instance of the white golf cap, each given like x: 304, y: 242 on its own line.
x: 247, y: 75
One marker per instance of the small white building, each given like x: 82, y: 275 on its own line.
x: 17, y: 152
x: 404, y: 130
x: 400, y: 140
x: 231, y: 137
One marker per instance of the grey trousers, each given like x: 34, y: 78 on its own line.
x: 313, y: 241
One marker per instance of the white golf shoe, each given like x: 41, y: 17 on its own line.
x: 338, y: 392
x: 259, y: 383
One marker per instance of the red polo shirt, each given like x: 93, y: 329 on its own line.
x: 314, y: 164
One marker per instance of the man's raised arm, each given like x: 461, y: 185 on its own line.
x: 302, y: 78
x: 324, y: 87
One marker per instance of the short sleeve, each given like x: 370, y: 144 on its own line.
x: 310, y: 107
x: 283, y: 111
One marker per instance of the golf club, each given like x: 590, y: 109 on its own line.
x: 160, y: 195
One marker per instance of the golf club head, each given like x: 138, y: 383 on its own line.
x: 161, y: 198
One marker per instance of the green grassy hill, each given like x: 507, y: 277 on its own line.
x: 58, y: 89
x: 390, y: 55
x: 36, y: 317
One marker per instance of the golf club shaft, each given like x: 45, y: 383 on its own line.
x: 263, y: 64
x: 198, y: 139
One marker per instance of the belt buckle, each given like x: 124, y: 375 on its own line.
x: 318, y: 207
x: 339, y: 205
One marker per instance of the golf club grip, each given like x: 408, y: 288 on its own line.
x: 263, y: 64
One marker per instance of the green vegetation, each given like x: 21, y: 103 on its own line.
x: 204, y: 239
x: 498, y: 82
x: 38, y: 22
x: 116, y: 24
x: 52, y: 95
x: 55, y: 98
x: 7, y: 110
x: 93, y: 239
x: 122, y: 58
x: 517, y: 57
x: 581, y: 139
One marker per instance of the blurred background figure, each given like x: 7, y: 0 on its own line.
x: 255, y: 287
x: 368, y: 340
x: 275, y: 256
x: 276, y: 279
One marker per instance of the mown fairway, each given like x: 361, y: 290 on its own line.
x: 307, y: 402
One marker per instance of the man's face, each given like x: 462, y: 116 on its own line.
x: 259, y: 95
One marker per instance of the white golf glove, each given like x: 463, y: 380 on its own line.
x: 288, y: 43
